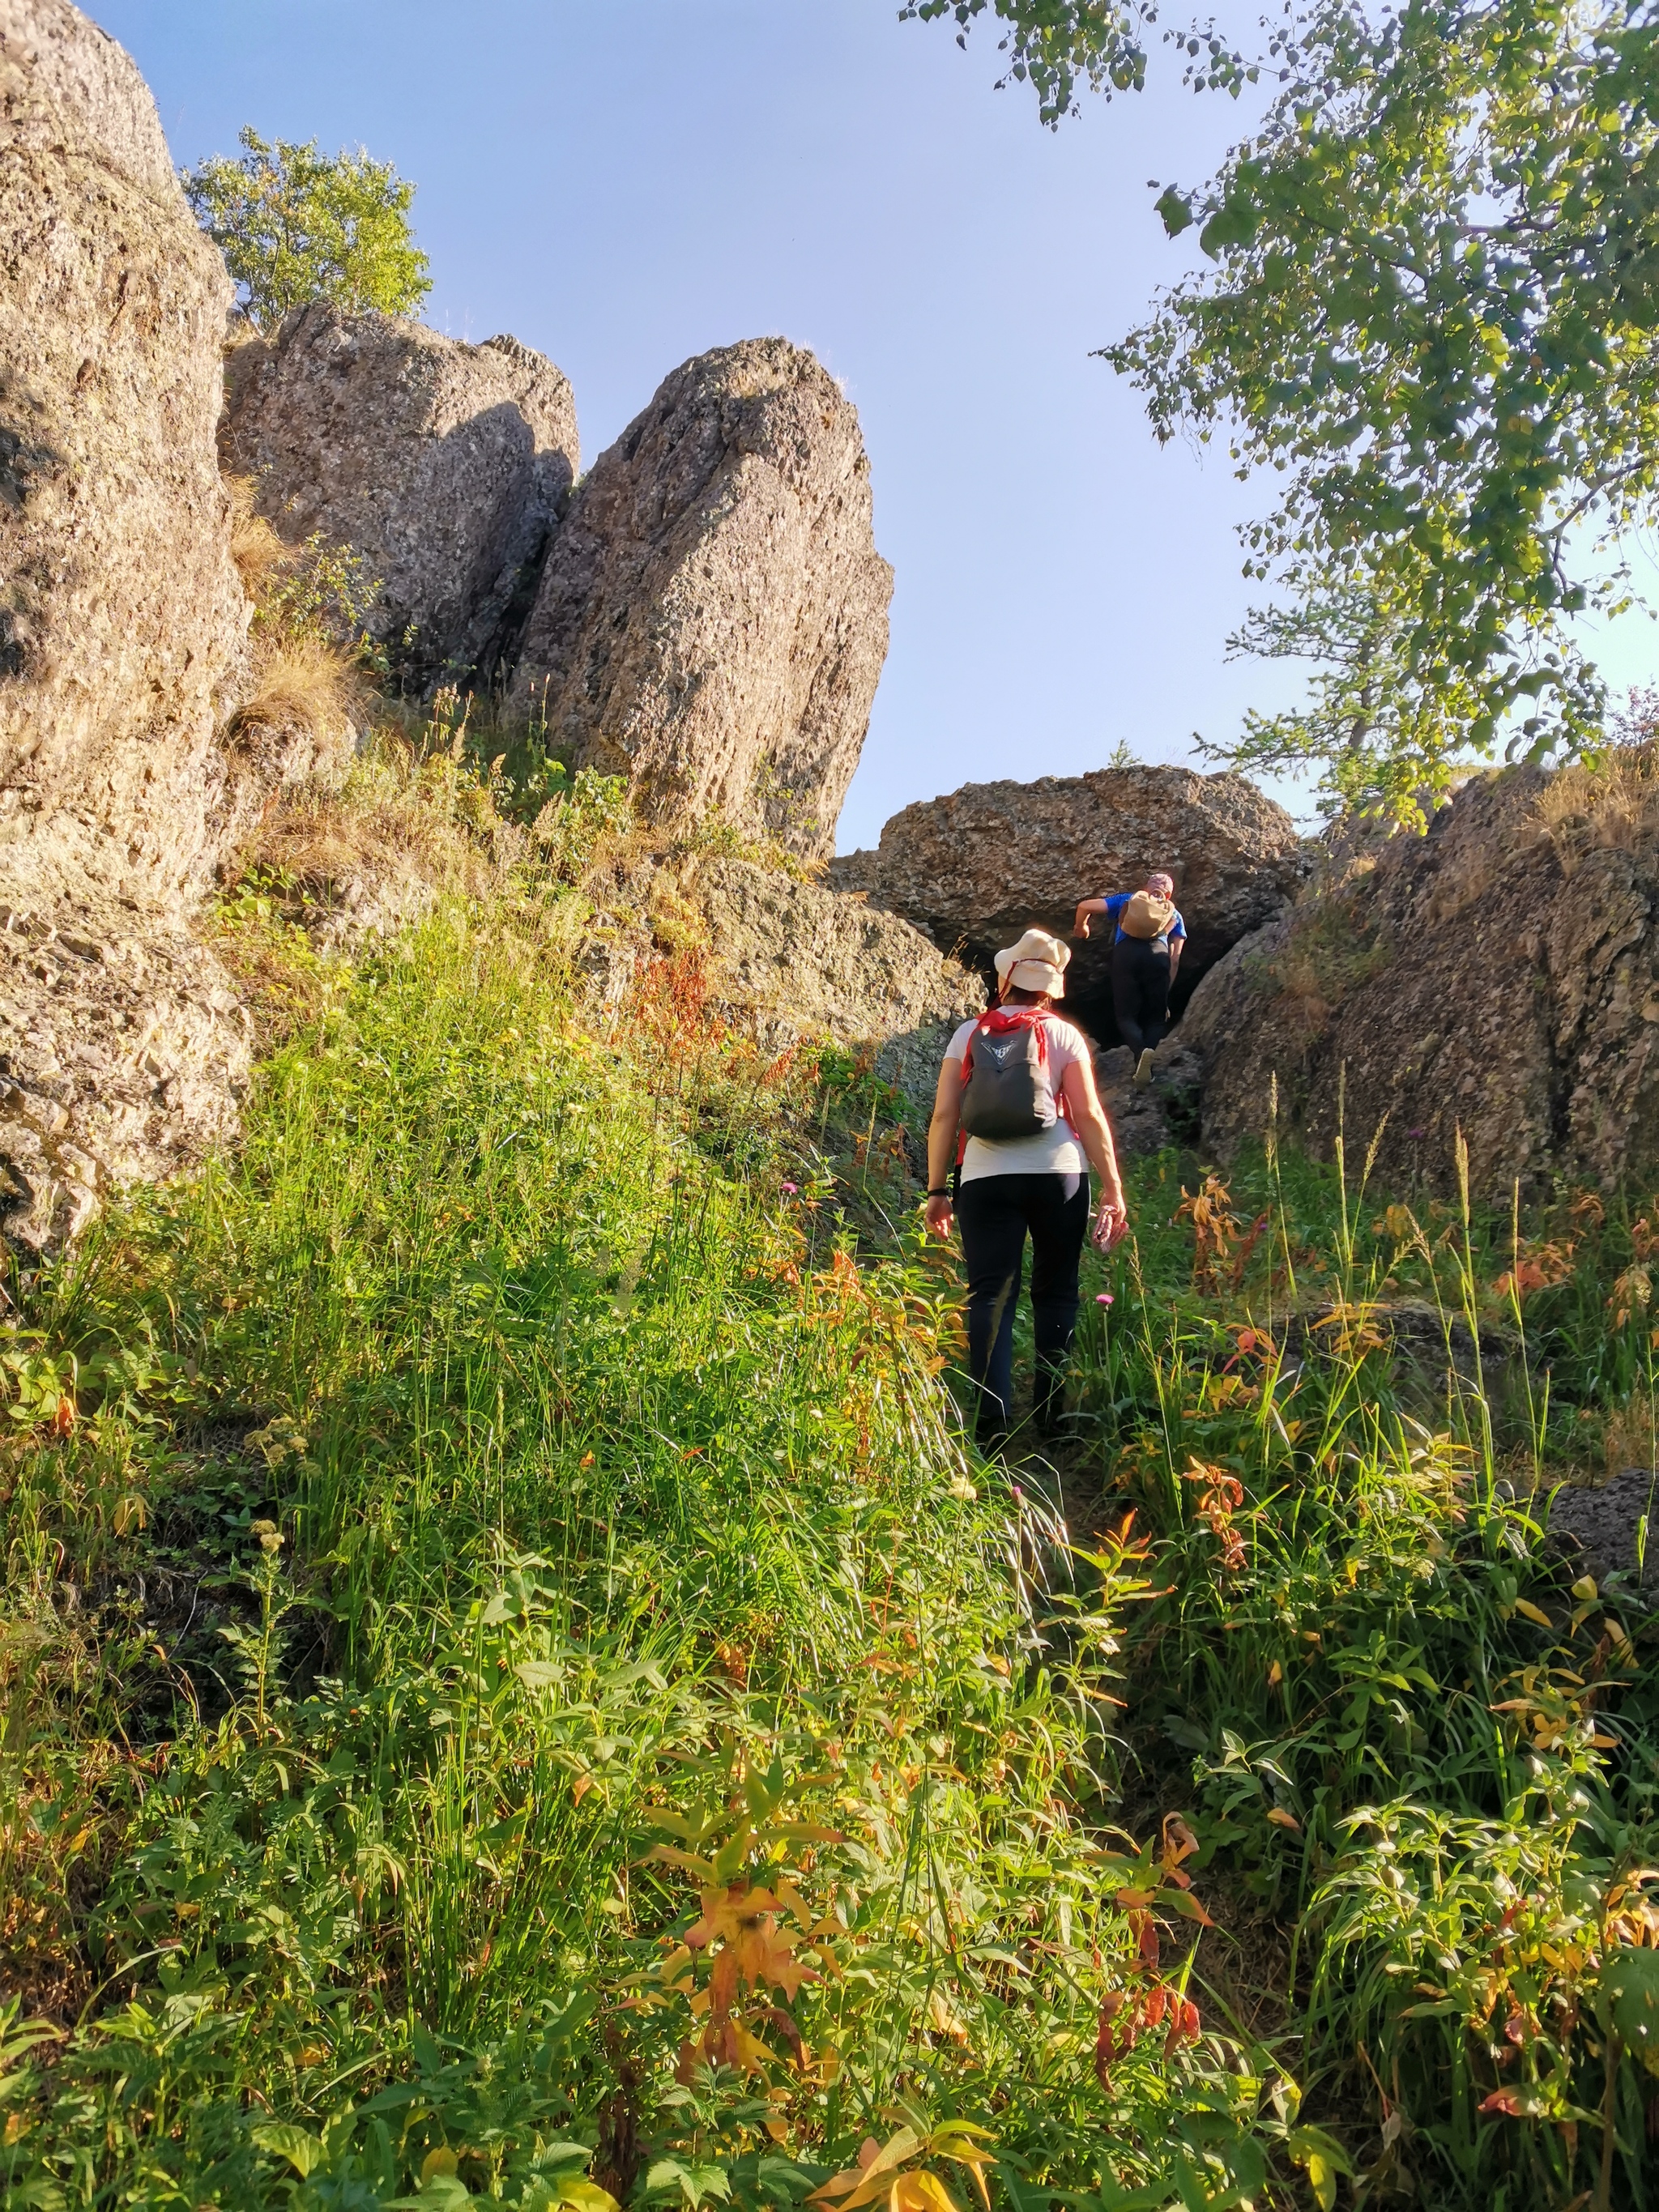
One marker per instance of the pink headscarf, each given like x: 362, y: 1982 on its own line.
x: 1162, y: 885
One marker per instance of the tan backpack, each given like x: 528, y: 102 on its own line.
x: 1146, y: 915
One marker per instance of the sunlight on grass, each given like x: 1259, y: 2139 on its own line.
x: 516, y: 1685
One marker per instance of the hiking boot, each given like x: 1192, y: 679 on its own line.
x: 1144, y: 1069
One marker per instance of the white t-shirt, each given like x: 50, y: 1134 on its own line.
x: 1051, y: 1151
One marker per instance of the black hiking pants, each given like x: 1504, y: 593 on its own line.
x: 996, y: 1212
x: 1140, y: 993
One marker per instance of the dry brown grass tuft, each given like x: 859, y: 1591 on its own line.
x: 1629, y: 1439
x: 255, y: 548
x: 1611, y: 802
x: 303, y: 686
x: 376, y: 847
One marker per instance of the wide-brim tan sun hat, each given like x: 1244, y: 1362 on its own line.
x: 1037, y: 962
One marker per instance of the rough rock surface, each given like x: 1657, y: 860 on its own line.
x: 445, y: 466
x: 809, y: 961
x: 1500, y: 975
x: 1165, y: 1111
x: 120, y: 614
x: 119, y: 1058
x: 792, y: 961
x: 976, y: 868
x: 712, y: 619
x: 1604, y: 1523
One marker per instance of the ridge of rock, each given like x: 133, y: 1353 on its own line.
x: 445, y: 466
x: 712, y: 620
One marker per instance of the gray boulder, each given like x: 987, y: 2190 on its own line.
x: 712, y: 619
x: 804, y: 961
x: 1498, y: 978
x: 445, y: 466
x: 121, y: 616
x: 1614, y: 1528
x: 976, y: 868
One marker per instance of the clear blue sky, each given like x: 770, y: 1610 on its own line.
x: 626, y: 183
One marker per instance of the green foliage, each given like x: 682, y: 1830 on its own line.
x: 324, y: 592
x: 1420, y: 1745
x: 295, y: 225
x: 552, y: 1710
x: 573, y: 1545
x: 1432, y: 310
x: 1057, y: 46
x: 1433, y: 307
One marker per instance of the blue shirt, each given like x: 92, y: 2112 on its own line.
x: 1114, y: 907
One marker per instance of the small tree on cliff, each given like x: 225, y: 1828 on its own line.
x: 295, y: 225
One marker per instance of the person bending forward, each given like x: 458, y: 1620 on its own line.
x: 1035, y: 1185
x: 1145, y: 954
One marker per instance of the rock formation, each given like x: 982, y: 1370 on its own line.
x: 123, y: 1057
x: 1601, y: 1528
x: 1500, y: 975
x: 712, y: 620
x: 787, y: 962
x: 805, y: 962
x: 445, y: 466
x: 120, y: 614
x: 122, y: 635
x: 977, y: 867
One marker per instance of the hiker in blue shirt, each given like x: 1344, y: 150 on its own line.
x: 1145, y: 954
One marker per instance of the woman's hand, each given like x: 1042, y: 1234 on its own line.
x: 1080, y: 926
x: 1111, y: 1220
x: 941, y: 1217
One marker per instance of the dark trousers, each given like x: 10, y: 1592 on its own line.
x: 995, y: 1213
x: 1140, y: 993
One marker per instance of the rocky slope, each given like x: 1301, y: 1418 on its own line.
x: 445, y: 466
x: 789, y: 962
x: 1499, y: 976
x: 977, y: 867
x: 712, y: 619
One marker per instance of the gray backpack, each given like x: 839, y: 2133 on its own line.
x: 1008, y: 1090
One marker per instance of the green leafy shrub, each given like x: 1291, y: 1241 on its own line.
x: 295, y: 225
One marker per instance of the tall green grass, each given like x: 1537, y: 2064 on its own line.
x: 516, y: 1685
x: 503, y: 1466
x: 1417, y: 1744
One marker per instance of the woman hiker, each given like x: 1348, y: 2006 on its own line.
x: 1145, y: 954
x: 1017, y: 1102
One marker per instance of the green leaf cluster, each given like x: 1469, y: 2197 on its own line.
x: 1057, y: 46
x: 1431, y: 308
x: 296, y: 225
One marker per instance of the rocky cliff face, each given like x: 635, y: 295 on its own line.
x: 121, y: 616
x: 1499, y: 976
x: 976, y: 868
x: 445, y: 466
x: 712, y: 620
x: 123, y: 636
